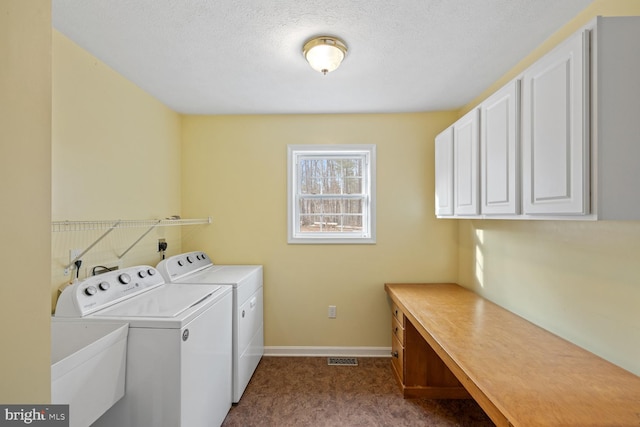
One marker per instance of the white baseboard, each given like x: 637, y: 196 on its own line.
x: 327, y: 351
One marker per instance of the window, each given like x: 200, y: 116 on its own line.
x: 331, y: 193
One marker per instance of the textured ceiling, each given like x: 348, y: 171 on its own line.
x: 244, y: 56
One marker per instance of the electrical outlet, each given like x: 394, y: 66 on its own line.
x: 73, y: 254
x: 162, y: 245
x: 332, y: 312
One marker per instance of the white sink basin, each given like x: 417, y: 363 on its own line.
x: 88, y: 362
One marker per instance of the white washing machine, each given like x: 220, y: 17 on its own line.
x: 178, y: 369
x: 248, y: 318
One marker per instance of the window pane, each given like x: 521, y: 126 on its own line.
x: 311, y: 186
x: 353, y: 185
x: 311, y: 177
x: 332, y: 185
x: 330, y: 206
x: 311, y: 206
x: 353, y: 206
x: 353, y: 222
x: 310, y: 223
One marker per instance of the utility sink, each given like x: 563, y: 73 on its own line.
x: 88, y: 363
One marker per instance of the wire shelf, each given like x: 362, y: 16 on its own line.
x: 109, y: 225
x: 66, y: 226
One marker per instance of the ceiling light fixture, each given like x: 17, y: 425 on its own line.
x: 324, y: 53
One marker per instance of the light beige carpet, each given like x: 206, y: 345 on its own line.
x: 305, y: 391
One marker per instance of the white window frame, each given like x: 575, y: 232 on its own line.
x: 368, y: 235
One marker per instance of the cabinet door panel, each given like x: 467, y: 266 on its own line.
x: 465, y: 159
x: 444, y: 173
x: 499, y: 147
x: 555, y: 137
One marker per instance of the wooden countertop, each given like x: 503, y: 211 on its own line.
x: 520, y: 374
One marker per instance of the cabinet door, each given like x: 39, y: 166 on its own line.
x: 465, y: 160
x: 555, y: 139
x: 499, y: 145
x: 444, y: 173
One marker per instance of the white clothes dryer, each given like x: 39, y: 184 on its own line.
x: 248, y: 318
x: 178, y: 369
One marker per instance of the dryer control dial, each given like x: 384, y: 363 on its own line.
x: 104, y: 286
x: 90, y: 290
x: 124, y: 278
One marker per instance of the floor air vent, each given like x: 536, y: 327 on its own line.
x: 343, y: 361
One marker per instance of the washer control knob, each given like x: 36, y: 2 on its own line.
x: 190, y: 260
x: 151, y: 272
x: 180, y: 263
x: 91, y: 290
x: 198, y: 257
x: 103, y: 286
x: 124, y: 278
x: 142, y: 274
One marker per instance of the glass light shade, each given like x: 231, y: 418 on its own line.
x: 324, y: 54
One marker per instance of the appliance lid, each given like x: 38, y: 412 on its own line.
x: 162, y: 302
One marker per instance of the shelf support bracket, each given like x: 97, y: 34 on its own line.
x: 113, y: 227
x: 140, y: 238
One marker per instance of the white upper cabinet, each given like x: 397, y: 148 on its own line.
x: 465, y: 164
x: 555, y: 136
x: 499, y: 152
x: 573, y: 149
x: 444, y: 173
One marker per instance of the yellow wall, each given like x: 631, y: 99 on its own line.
x: 234, y: 168
x: 116, y: 155
x: 25, y: 173
x: 577, y: 279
